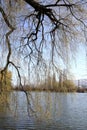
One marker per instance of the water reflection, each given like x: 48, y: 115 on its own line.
x: 59, y: 111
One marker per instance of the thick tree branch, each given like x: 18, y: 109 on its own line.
x: 54, y: 23
x: 6, y: 19
x: 58, y: 5
x: 37, y: 6
x: 7, y: 37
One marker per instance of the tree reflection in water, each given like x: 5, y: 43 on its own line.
x: 43, y: 105
x: 43, y: 110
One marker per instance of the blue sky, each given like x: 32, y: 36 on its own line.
x: 79, y: 65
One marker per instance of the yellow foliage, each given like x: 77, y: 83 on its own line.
x: 69, y: 85
x: 5, y: 80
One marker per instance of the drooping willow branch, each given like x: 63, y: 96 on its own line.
x: 7, y: 37
x: 57, y: 22
x: 38, y: 17
x: 8, y: 46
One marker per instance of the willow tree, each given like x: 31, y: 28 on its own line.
x: 40, y: 31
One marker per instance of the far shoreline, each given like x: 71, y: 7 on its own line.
x: 78, y: 90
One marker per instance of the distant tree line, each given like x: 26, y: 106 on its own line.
x: 51, y: 83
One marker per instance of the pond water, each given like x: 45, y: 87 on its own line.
x: 44, y: 111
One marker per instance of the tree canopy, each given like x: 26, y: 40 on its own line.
x: 40, y: 32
